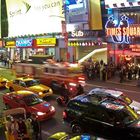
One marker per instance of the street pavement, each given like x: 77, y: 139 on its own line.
x: 55, y: 125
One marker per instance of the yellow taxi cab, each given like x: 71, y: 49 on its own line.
x: 3, y: 81
x: 66, y: 136
x: 26, y: 83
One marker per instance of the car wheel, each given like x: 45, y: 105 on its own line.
x: 76, y: 128
x: 11, y: 89
x: 7, y: 106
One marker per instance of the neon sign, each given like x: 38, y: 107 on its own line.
x: 129, y: 31
x: 120, y: 32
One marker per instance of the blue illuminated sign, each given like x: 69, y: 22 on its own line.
x: 24, y: 42
x: 85, y: 137
x: 118, y: 30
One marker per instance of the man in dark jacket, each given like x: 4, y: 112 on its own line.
x: 36, y: 128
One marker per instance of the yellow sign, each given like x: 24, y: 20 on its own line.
x: 10, y: 43
x: 95, y: 11
x: 46, y: 41
x: 10, y: 46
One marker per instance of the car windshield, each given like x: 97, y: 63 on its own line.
x: 30, y: 83
x: 126, y: 99
x: 32, y: 100
x: 128, y: 115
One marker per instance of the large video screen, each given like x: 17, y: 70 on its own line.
x: 27, y: 17
x: 74, y: 4
x: 77, y: 11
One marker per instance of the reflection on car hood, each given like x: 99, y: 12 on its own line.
x: 42, y: 107
x: 39, y: 88
x: 136, y: 124
x: 135, y: 105
x: 86, y: 138
x: 59, y: 135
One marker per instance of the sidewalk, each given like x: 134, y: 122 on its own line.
x: 116, y: 80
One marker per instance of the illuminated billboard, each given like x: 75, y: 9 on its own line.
x: 121, y: 3
x: 77, y: 11
x: 133, y: 0
x: 26, y: 42
x: 34, y: 17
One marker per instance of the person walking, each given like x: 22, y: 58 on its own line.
x: 36, y: 128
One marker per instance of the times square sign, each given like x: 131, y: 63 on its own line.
x: 121, y: 31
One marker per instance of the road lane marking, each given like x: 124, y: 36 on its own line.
x: 132, y: 91
x: 45, y: 132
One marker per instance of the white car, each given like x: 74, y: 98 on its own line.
x: 117, y: 96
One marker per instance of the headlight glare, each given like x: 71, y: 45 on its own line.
x: 40, y: 113
x: 40, y: 93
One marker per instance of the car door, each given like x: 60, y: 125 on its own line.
x: 13, y: 101
x: 16, y: 85
x: 55, y: 86
x: 92, y: 118
x: 111, y: 124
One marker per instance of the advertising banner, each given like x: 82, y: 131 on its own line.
x: 10, y: 43
x: 34, y: 17
x: 46, y: 41
x: 77, y: 11
x: 125, y: 32
x: 23, y: 43
x: 95, y: 11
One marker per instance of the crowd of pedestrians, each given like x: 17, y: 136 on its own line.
x: 21, y: 129
x: 102, y: 71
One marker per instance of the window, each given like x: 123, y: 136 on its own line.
x: 16, y: 82
x: 99, y: 114
x: 32, y: 100
x: 22, y: 84
x: 78, y: 106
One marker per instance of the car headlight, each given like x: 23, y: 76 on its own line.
x: 138, y: 112
x: 40, y: 93
x: 52, y: 108
x: 50, y: 90
x: 40, y: 113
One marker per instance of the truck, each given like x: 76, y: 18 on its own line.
x: 53, y: 74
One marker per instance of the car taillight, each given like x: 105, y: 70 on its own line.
x: 64, y: 115
x: 81, y: 78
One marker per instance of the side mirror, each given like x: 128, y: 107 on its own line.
x: 119, y: 124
